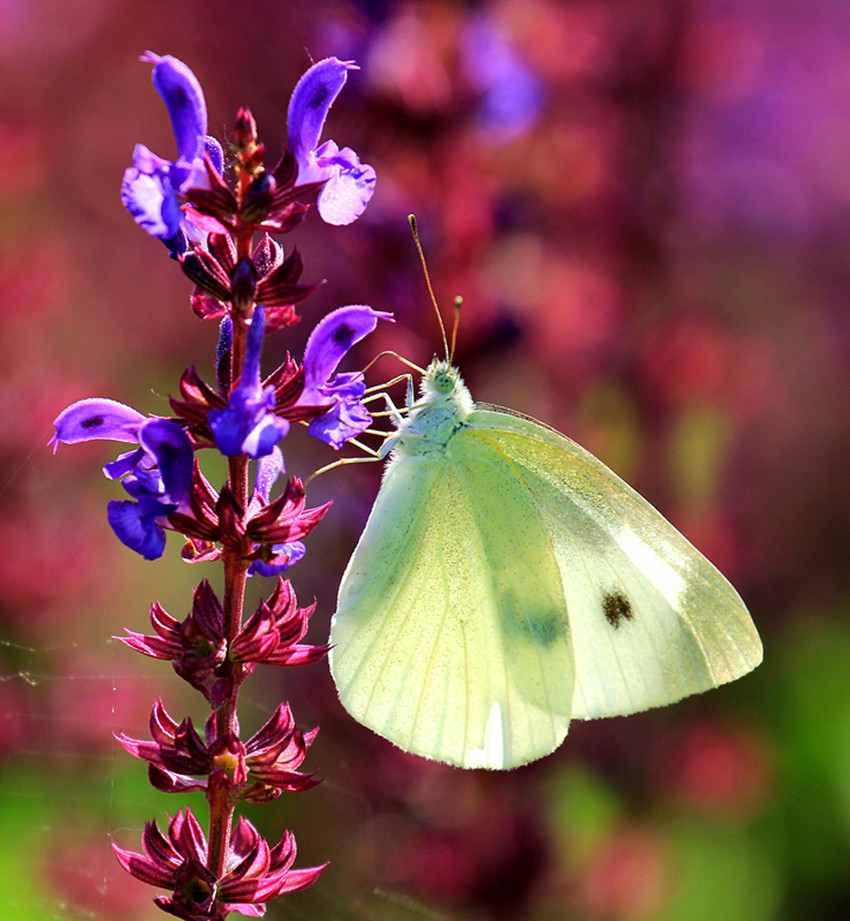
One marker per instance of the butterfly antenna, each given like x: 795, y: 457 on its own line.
x: 413, y: 229
x: 455, y: 325
x: 401, y: 358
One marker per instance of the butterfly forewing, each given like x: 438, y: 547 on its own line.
x: 651, y: 619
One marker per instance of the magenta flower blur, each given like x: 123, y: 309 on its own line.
x: 254, y: 872
x: 248, y: 425
x: 334, y: 335
x: 151, y: 185
x: 158, y: 474
x: 349, y: 184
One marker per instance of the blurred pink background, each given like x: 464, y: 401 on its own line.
x: 646, y: 207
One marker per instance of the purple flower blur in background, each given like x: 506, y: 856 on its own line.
x: 653, y: 260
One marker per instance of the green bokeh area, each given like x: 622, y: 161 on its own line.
x: 55, y: 840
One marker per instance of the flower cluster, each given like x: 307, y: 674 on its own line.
x: 210, y: 228
x: 216, y: 217
x: 254, y: 873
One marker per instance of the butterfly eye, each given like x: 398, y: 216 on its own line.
x: 444, y: 382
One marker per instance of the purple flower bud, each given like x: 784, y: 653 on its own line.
x: 248, y: 424
x: 330, y: 340
x: 214, y: 151
x: 224, y: 354
x: 286, y: 554
x: 349, y: 185
x: 269, y: 468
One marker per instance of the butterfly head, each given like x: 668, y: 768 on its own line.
x: 442, y: 383
x: 441, y: 378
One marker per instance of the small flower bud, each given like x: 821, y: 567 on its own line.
x: 246, y: 129
x: 243, y: 281
x: 258, y: 199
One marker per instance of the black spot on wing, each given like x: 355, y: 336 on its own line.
x: 617, y: 608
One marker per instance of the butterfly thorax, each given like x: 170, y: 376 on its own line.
x: 439, y: 413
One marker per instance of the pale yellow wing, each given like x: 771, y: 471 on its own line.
x: 450, y: 637
x: 513, y: 582
x: 651, y: 619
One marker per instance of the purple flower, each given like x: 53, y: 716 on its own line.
x: 157, y: 474
x: 248, y: 425
x: 150, y: 187
x: 511, y: 96
x: 346, y: 416
x: 349, y: 184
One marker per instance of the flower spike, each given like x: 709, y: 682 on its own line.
x: 217, y: 222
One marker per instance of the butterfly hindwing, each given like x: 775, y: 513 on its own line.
x: 450, y: 638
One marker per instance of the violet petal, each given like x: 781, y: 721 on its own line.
x: 347, y: 419
x: 171, y: 448
x: 134, y: 524
x: 183, y: 97
x: 349, y: 187
x: 310, y: 102
x: 294, y: 551
x: 332, y: 337
x: 96, y: 417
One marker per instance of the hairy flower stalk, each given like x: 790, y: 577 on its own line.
x: 220, y: 233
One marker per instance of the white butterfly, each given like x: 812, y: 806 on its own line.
x: 507, y: 582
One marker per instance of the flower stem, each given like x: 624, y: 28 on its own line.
x: 221, y: 806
